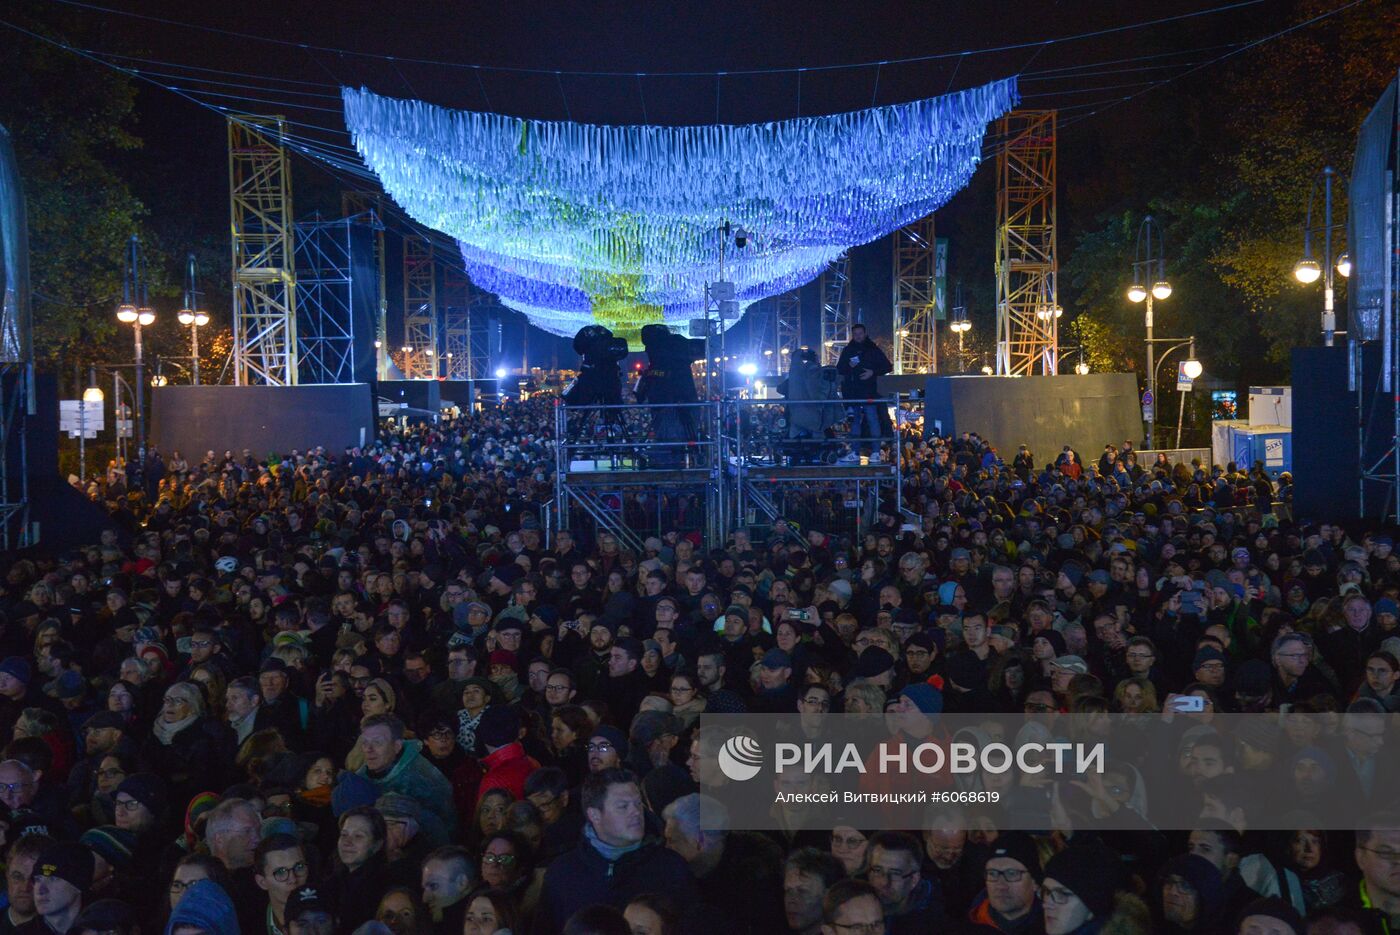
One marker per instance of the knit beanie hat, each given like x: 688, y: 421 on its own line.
x: 1089, y: 871
x: 499, y: 726
x: 615, y: 737
x: 114, y: 845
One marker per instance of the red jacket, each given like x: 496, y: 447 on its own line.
x: 506, y: 769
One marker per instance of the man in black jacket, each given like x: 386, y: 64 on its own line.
x: 614, y: 861
x: 861, y: 365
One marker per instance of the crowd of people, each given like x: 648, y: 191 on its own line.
x: 369, y: 691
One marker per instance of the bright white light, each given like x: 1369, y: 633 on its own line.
x: 185, y: 316
x: 987, y: 370
x: 1136, y: 292
x: 1307, y: 271
x: 201, y: 319
x: 126, y: 314
x: 768, y: 352
x: 1344, y: 265
x: 1082, y: 367
x: 500, y: 373
x: 93, y: 394
x: 407, y: 349
x: 378, y: 345
x: 758, y: 384
x: 428, y: 351
x: 158, y: 380
x: 146, y: 316
x: 748, y: 370
x: 787, y: 350
x: 1161, y: 289
x: 1192, y: 368
x: 449, y: 355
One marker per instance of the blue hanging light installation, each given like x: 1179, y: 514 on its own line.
x: 576, y: 224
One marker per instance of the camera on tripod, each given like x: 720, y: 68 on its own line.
x: 598, y: 347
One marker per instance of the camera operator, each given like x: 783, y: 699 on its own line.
x: 668, y: 379
x: 599, y: 380
x: 809, y: 380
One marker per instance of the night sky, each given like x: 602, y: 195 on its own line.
x: 183, y: 166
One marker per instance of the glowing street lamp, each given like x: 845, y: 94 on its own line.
x: 1149, y: 265
x: 1308, y: 271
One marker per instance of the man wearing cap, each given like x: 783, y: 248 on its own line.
x: 15, y: 676
x: 281, y: 706
x: 1010, y: 902
x: 310, y: 913
x: 607, y: 749
x: 62, y: 874
x: 776, y: 694
x: 1064, y: 669
x: 139, y: 805
x: 506, y: 762
x: 102, y: 734
x: 1080, y: 889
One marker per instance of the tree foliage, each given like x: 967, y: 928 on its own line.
x: 81, y: 211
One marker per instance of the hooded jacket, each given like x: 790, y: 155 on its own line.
x: 207, y: 906
x: 415, y: 777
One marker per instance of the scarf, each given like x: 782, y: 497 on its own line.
x: 611, y: 852
x: 165, y: 733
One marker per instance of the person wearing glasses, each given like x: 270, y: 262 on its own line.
x: 280, y: 870
x: 910, y: 903
x: 851, y: 907
x: 1010, y: 900
x: 1079, y: 894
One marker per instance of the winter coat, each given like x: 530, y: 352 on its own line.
x: 415, y: 777
x: 507, y: 769
x: 583, y: 877
x: 856, y: 358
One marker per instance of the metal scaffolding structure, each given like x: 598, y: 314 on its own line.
x: 915, y: 258
x: 325, y: 299
x: 787, y: 324
x: 836, y: 309
x: 466, y: 320
x: 420, y: 319
x: 1027, y: 262
x: 365, y: 207
x: 264, y: 272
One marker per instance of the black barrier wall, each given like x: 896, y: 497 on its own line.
x: 263, y: 419
x: 1045, y: 413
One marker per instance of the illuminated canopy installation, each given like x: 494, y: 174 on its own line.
x: 575, y: 224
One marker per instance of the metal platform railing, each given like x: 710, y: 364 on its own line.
x: 637, y: 471
x: 798, y: 460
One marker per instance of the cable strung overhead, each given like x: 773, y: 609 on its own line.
x: 575, y: 224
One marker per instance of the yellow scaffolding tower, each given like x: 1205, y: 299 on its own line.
x: 420, y: 337
x: 916, y: 298
x: 1027, y: 264
x: 264, y: 266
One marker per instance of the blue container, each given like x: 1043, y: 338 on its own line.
x: 1270, y: 444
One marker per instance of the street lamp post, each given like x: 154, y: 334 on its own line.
x: 1149, y: 267
x: 1307, y: 271
x: 1191, y: 367
x: 193, y: 318
x: 134, y: 291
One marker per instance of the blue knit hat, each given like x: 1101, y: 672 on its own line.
x: 351, y: 790
x: 205, y: 906
x: 926, y: 698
